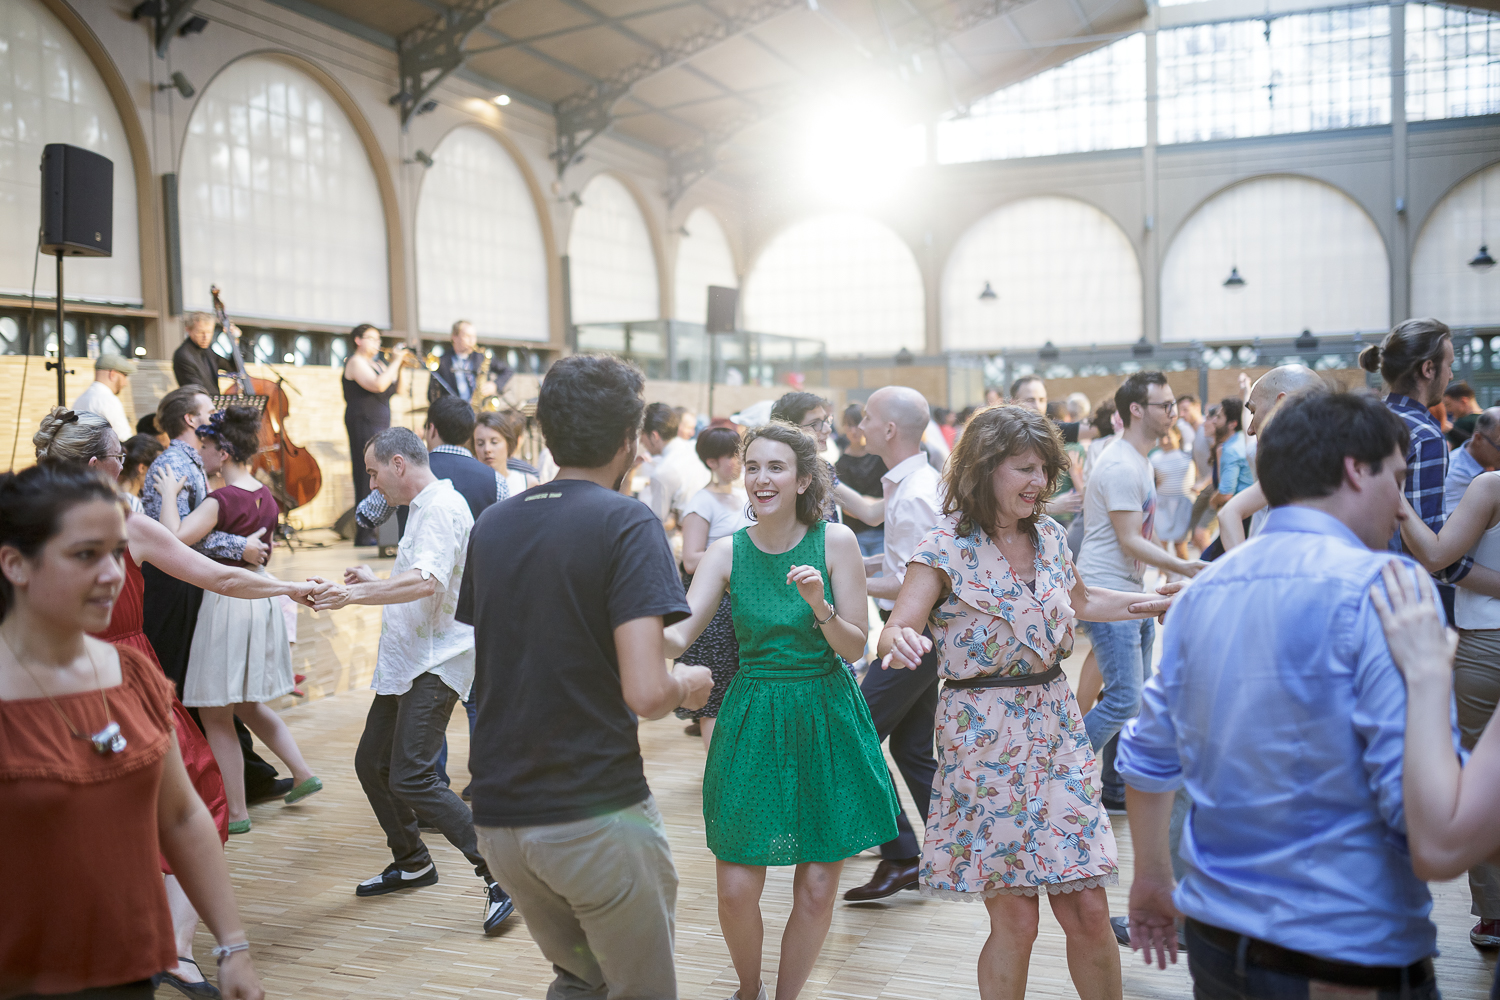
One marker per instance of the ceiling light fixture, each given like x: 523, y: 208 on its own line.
x: 1234, y: 282
x: 502, y: 100
x: 140, y: 352
x: 1482, y: 260
x: 988, y: 295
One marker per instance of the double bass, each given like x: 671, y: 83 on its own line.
x: 291, y: 472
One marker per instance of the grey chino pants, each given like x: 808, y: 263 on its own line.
x: 397, y: 766
x: 599, y: 897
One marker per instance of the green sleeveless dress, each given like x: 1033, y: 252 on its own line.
x: 794, y: 772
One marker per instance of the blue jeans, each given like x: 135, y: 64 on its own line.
x: 872, y: 542
x: 1220, y: 975
x: 1123, y: 651
x: 472, y: 708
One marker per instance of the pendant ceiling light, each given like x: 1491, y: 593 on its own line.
x: 1482, y: 260
x: 1234, y: 282
x: 988, y: 295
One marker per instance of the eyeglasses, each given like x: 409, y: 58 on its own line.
x: 117, y: 455
x: 818, y: 425
x: 1168, y: 407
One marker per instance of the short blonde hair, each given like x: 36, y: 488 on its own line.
x: 194, y: 318
x: 458, y: 323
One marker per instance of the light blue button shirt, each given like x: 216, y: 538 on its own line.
x: 1278, y: 708
x: 1461, y: 472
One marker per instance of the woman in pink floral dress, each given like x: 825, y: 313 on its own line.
x: 1015, y: 810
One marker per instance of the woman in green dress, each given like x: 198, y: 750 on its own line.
x: 794, y: 773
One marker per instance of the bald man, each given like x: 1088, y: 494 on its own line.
x: 903, y: 703
x: 1268, y: 392
x: 1480, y: 453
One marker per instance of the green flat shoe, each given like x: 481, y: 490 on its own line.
x: 302, y: 791
x: 239, y: 826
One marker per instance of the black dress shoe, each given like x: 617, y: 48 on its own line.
x: 496, y: 908
x: 277, y: 789
x: 1121, y: 927
x: 393, y: 879
x: 890, y: 878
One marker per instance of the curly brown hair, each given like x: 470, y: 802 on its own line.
x: 991, y: 436
x: 812, y: 503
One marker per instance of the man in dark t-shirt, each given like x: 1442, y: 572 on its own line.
x: 568, y: 586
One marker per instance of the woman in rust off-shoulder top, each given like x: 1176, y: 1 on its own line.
x: 92, y: 784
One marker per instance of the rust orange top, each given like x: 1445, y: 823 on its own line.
x: 84, y: 904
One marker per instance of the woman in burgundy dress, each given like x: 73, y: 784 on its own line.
x: 240, y: 658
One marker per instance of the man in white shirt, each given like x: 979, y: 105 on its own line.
x: 902, y: 703
x: 424, y: 667
x: 676, y: 473
x: 1119, y: 508
x: 111, y: 374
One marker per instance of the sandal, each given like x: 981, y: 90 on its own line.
x: 204, y: 990
x: 237, y: 826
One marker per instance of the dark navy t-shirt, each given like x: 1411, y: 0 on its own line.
x: 550, y: 574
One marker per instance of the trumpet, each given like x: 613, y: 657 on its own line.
x: 402, y: 354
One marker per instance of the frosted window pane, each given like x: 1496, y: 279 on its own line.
x: 1298, y: 73
x: 1452, y: 62
x: 844, y: 279
x: 480, y: 254
x: 613, y: 266
x: 1097, y: 101
x: 1061, y: 270
x: 1310, y: 257
x: 279, y: 204
x: 703, y: 259
x: 1442, y: 282
x: 51, y: 92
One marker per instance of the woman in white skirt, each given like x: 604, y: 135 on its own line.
x: 240, y: 657
x: 1174, y: 503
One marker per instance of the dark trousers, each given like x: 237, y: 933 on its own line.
x: 397, y: 767
x: 1219, y: 974
x: 169, y: 609
x: 360, y: 431
x: 471, y: 708
x: 903, y: 705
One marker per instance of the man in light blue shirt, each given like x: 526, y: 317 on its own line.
x: 1474, y: 456
x: 1278, y: 708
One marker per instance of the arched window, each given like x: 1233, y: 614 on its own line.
x: 278, y: 202
x: 844, y: 279
x: 1442, y: 282
x: 1310, y: 258
x: 612, y: 266
x: 480, y: 254
x: 1061, y: 270
x: 51, y: 92
x: 703, y: 259
x: 1097, y: 101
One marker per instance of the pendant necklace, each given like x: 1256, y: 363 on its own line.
x: 107, y: 740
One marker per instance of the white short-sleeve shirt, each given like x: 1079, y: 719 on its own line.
x: 421, y: 636
x: 724, y: 512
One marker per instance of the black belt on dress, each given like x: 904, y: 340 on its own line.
x: 1012, y: 681
x: 1275, y: 958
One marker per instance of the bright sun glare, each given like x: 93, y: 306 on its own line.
x: 857, y: 150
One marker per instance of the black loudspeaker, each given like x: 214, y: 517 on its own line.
x: 722, y: 303
x: 78, y: 201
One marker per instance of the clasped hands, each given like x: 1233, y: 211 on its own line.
x: 326, y: 595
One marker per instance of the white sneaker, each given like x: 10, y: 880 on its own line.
x: 759, y: 996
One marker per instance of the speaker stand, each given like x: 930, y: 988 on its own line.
x: 59, y: 364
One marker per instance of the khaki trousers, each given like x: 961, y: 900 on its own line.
x: 598, y: 896
x: 1476, y: 688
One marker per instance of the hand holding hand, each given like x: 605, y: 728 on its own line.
x: 1153, y: 920
x: 169, y: 485
x: 330, y: 596
x: 907, y: 650
x: 359, y: 574
x: 237, y: 978
x: 1421, y: 644
x: 809, y: 583
x: 697, y: 684
x: 257, y: 548
x: 1159, y: 608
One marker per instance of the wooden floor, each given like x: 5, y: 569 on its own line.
x: 312, y: 938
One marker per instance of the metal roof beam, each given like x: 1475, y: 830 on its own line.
x: 431, y: 51
x: 584, y: 116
